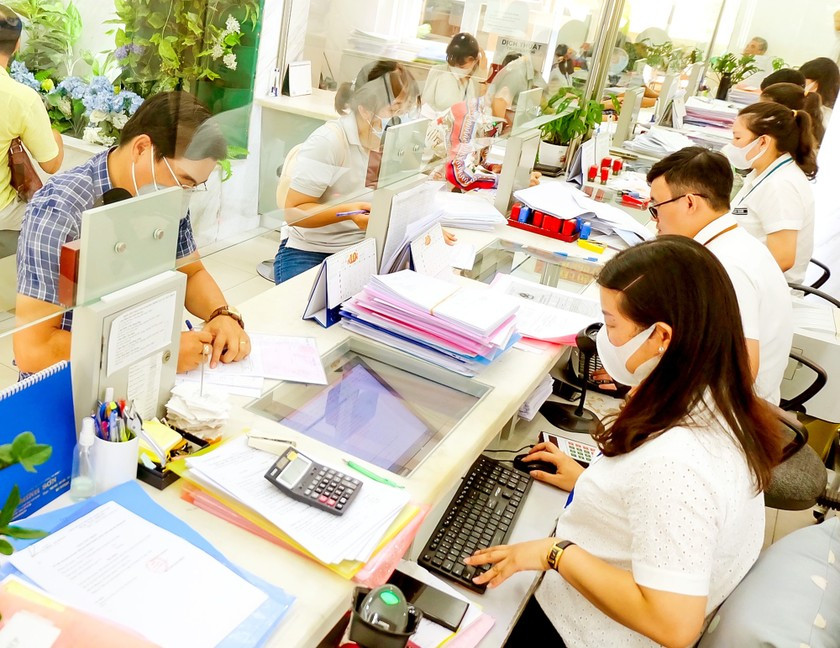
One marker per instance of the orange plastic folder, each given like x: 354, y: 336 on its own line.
x: 346, y: 569
x: 75, y: 628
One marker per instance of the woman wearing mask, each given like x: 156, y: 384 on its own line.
x: 563, y: 68
x: 461, y: 78
x: 776, y: 203
x: 669, y: 518
x: 794, y: 97
x: 823, y: 77
x: 327, y: 203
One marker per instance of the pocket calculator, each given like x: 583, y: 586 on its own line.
x: 583, y: 453
x: 305, y: 480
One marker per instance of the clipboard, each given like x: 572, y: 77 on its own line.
x: 340, y: 276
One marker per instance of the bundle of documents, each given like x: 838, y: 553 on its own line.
x: 121, y: 557
x: 565, y: 201
x: 539, y: 396
x: 458, y: 328
x: 467, y: 211
x: 198, y: 414
x: 658, y: 142
x: 547, y: 313
x: 238, y: 471
x: 412, y: 212
x: 743, y: 97
x: 710, y: 112
x: 272, y: 356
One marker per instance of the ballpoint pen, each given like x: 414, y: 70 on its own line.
x: 371, y: 475
x: 352, y: 213
x: 566, y: 255
x: 189, y: 325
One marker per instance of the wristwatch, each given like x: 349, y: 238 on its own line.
x: 556, y: 551
x: 230, y: 311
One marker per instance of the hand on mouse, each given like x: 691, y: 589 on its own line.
x: 568, y: 470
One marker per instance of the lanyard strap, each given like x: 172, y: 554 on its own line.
x: 721, y: 233
x: 772, y: 171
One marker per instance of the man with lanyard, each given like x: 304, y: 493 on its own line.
x: 690, y: 196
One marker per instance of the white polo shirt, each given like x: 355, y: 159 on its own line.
x: 779, y: 198
x: 763, y: 298
x: 331, y: 166
x: 445, y: 86
x: 680, y: 512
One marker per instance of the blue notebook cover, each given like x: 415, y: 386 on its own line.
x: 37, y: 438
x: 255, y: 631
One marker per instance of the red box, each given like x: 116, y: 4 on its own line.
x: 538, y: 219
x: 552, y: 224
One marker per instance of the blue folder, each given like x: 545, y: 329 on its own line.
x: 254, y: 631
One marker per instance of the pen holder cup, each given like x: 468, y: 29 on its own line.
x: 368, y: 635
x: 114, y: 463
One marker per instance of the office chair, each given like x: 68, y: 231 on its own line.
x: 800, y: 478
x: 812, y: 290
x: 826, y: 273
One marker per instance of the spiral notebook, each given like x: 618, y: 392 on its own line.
x: 37, y: 438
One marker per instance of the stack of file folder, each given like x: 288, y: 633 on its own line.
x: 468, y: 211
x: 658, y: 142
x: 460, y: 328
x: 710, y: 112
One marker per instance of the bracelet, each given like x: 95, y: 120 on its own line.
x: 557, y: 551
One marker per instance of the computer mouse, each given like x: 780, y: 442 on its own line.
x: 528, y: 466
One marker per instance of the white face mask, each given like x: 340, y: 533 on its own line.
x: 614, y: 358
x: 147, y: 189
x: 737, y: 155
x: 459, y: 72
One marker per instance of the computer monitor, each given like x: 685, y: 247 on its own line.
x: 628, y: 115
x: 520, y: 157
x: 670, y: 85
x: 129, y: 340
x: 528, y: 107
x: 402, y: 151
x: 128, y: 241
x: 695, y: 70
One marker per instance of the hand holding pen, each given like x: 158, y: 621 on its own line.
x: 359, y: 213
x: 196, y: 347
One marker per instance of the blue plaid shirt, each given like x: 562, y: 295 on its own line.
x: 54, y: 217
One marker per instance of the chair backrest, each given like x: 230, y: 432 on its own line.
x: 826, y: 273
x: 797, y: 403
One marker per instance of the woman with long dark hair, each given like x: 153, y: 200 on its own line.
x: 666, y: 522
x: 776, y: 202
x: 794, y: 97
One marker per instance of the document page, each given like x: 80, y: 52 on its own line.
x: 139, y: 331
x: 114, y: 563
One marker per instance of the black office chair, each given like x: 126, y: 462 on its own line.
x: 826, y: 273
x: 800, y: 479
x: 812, y: 290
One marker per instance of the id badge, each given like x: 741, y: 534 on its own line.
x: 740, y: 211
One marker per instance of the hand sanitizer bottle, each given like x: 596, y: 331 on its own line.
x: 81, y: 479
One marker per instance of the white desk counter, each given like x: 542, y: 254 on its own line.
x: 322, y: 596
x: 318, y: 105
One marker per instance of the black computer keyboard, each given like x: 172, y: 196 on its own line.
x: 480, y: 515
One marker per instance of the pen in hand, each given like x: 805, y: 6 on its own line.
x: 351, y: 213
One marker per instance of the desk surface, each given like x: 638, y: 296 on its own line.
x: 318, y: 105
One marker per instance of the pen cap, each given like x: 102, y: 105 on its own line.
x: 88, y: 433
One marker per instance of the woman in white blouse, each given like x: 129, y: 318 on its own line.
x: 460, y: 79
x: 776, y: 203
x: 663, y: 525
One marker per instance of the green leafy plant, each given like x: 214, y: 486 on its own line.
x: 580, y: 118
x: 51, y: 29
x: 735, y: 68
x: 665, y: 57
x: 23, y: 450
x: 778, y: 63
x: 171, y: 44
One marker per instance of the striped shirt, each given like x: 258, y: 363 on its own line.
x: 54, y: 217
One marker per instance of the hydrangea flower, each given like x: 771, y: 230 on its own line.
x: 20, y: 73
x: 230, y: 61
x: 73, y: 86
x: 121, y: 52
x: 232, y: 25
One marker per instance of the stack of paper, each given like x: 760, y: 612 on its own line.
x: 539, y: 396
x: 565, y: 201
x: 458, y: 328
x: 547, y: 313
x: 467, y: 211
x: 710, y: 112
x: 814, y: 316
x: 192, y: 412
x: 658, y: 142
x: 272, y: 356
x: 239, y: 471
x: 744, y: 97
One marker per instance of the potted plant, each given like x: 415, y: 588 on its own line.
x: 730, y: 70
x: 578, y: 118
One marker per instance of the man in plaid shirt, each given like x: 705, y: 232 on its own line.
x: 168, y: 142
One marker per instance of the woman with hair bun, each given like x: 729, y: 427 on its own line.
x: 460, y: 78
x: 776, y: 203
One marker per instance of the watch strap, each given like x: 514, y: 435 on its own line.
x: 556, y: 551
x: 225, y: 310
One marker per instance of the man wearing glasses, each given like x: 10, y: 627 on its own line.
x: 689, y: 193
x: 170, y: 141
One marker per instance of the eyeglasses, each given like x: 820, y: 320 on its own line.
x: 654, y: 209
x: 201, y: 186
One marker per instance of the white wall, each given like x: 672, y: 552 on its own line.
x: 797, y: 32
